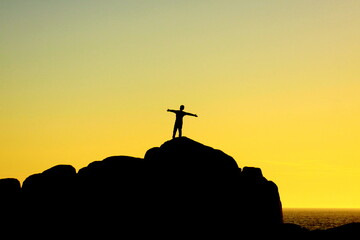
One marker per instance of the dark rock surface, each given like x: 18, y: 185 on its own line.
x: 10, y: 191
x: 182, y: 188
x: 9, y: 187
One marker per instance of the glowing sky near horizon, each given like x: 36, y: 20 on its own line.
x: 275, y: 84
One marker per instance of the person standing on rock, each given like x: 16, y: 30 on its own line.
x: 179, y: 119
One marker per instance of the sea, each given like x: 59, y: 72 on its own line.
x: 321, y: 218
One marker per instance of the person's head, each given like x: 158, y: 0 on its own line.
x: 182, y: 107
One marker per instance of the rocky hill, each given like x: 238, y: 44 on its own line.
x: 182, y: 188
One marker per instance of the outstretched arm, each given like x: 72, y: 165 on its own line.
x: 190, y: 114
x: 170, y: 110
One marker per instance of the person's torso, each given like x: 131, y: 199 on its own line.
x: 179, y: 116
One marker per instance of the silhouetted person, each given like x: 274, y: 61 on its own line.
x: 179, y: 119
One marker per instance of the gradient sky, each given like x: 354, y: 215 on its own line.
x: 276, y: 85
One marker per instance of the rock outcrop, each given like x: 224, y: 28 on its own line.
x: 207, y: 188
x: 180, y: 188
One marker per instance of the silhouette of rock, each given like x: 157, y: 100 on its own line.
x: 10, y: 190
x: 347, y: 231
x: 115, y: 170
x: 48, y: 199
x: 351, y: 229
x: 9, y: 207
x: 191, y: 184
x: 188, y: 164
x: 111, y: 187
x: 252, y: 173
x: 292, y: 231
x: 56, y: 180
x: 182, y: 188
x: 261, y: 200
x: 9, y: 187
x: 207, y: 184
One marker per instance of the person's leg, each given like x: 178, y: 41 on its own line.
x: 174, y: 132
x: 180, y: 132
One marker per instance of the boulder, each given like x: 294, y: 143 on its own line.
x: 56, y: 180
x: 9, y: 187
x: 182, y: 188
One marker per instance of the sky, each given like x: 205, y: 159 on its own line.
x: 275, y: 85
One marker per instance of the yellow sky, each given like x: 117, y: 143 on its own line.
x: 275, y: 84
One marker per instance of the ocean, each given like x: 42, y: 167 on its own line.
x: 323, y: 218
